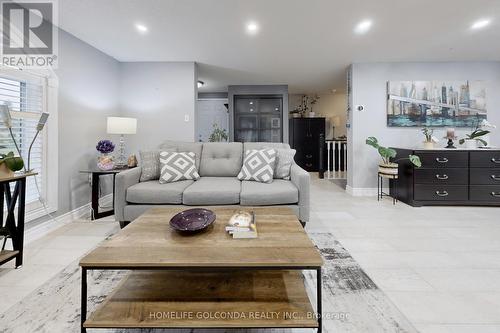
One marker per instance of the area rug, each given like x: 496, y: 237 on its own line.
x: 351, y: 301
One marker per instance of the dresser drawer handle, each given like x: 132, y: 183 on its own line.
x: 442, y: 194
x: 495, y: 194
x: 441, y: 160
x: 494, y: 160
x: 443, y: 177
x: 309, y: 156
x: 494, y: 177
x: 309, y: 165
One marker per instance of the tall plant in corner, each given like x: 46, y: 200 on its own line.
x: 387, y: 166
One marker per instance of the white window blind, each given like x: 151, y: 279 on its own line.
x: 27, y: 101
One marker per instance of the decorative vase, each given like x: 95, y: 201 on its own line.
x: 389, y: 169
x: 5, y: 172
x: 471, y: 144
x: 105, y: 162
x: 428, y: 145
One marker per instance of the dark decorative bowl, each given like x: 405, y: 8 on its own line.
x: 192, y: 220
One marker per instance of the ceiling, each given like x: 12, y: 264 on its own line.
x: 306, y: 44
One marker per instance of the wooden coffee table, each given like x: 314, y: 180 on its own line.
x: 207, y: 280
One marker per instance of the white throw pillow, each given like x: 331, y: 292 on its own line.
x: 177, y: 166
x: 258, y: 165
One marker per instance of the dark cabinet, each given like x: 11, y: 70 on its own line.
x: 450, y: 177
x: 307, y: 137
x: 258, y: 118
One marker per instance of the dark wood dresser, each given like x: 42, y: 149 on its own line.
x: 307, y: 137
x: 450, y: 177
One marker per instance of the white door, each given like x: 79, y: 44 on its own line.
x: 210, y: 112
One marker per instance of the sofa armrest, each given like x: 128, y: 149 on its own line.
x: 123, y: 181
x: 302, y: 180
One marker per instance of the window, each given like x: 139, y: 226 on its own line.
x: 26, y: 96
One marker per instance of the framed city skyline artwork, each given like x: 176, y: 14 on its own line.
x: 435, y: 103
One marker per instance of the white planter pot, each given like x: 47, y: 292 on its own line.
x: 428, y: 145
x: 471, y: 144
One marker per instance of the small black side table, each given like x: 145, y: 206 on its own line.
x: 95, y: 175
x: 392, y: 183
x: 13, y: 229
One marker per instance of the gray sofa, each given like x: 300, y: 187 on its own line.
x: 218, y: 165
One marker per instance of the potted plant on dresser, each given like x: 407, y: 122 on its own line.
x: 430, y: 140
x: 478, y: 135
x: 388, y: 167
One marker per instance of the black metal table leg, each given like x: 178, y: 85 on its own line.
x: 83, y: 314
x: 319, y: 300
x: 95, y: 196
x: 20, y: 221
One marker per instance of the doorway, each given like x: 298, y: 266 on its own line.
x: 209, y: 112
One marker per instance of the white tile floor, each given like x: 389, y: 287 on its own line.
x: 439, y: 265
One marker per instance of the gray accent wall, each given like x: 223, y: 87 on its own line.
x: 88, y: 93
x: 258, y: 90
x: 369, y: 89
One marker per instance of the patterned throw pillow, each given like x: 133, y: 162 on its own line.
x: 284, y: 161
x: 150, y: 165
x: 177, y: 166
x: 258, y: 165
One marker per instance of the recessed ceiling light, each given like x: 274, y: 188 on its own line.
x: 252, y: 28
x: 363, y: 27
x: 141, y: 28
x: 480, y: 24
x: 200, y: 84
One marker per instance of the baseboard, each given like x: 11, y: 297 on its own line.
x: 82, y: 212
x: 362, y: 191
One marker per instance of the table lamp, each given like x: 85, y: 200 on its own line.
x: 121, y: 126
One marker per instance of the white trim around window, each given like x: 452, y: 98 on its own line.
x: 48, y: 202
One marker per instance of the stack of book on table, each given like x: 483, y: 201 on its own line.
x: 242, y: 225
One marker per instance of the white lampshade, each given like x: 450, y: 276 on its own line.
x: 122, y: 125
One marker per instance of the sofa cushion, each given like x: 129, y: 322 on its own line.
x: 262, y: 145
x: 221, y: 159
x: 177, y: 166
x: 179, y: 147
x: 278, y: 192
x: 152, y: 192
x: 213, y: 191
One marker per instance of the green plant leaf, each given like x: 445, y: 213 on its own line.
x: 478, y: 133
x: 10, y: 154
x: 415, y: 160
x: 372, y: 141
x: 483, y: 142
x: 461, y: 141
x: 387, y: 153
x: 14, y: 163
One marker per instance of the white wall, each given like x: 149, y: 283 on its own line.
x: 159, y: 95
x: 88, y: 93
x: 369, y: 89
